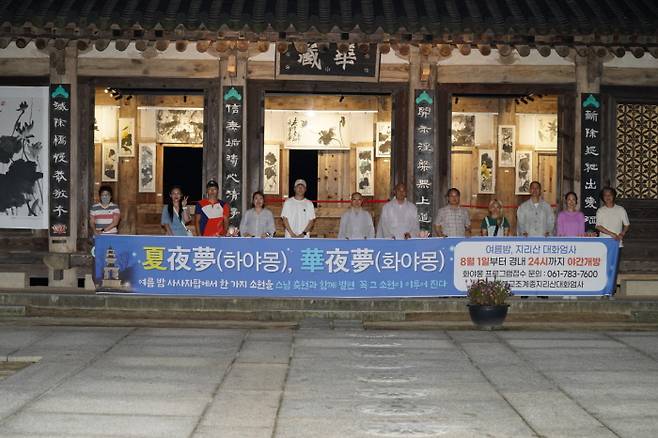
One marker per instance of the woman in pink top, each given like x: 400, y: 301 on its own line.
x: 571, y: 222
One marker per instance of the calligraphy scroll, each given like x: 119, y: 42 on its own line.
x: 60, y: 159
x: 424, y: 122
x: 590, y: 157
x: 232, y: 152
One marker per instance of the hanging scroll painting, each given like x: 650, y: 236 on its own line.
x: 506, y: 145
x: 24, y: 157
x: 271, y: 172
x: 106, y: 119
x: 383, y: 140
x: 324, y: 130
x: 523, y: 172
x: 126, y: 137
x: 364, y: 171
x: 147, y: 167
x: 463, y: 130
x: 487, y: 171
x: 546, y: 131
x: 110, y: 162
x: 179, y: 126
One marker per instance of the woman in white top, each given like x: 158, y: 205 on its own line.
x: 258, y: 221
x: 611, y: 219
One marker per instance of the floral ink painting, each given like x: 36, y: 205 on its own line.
x: 506, y: 145
x: 147, y: 167
x: 271, y: 169
x: 110, y: 163
x: 523, y: 172
x: 322, y: 130
x: 126, y: 137
x: 546, y: 131
x: 487, y: 171
x: 183, y: 126
x: 383, y: 140
x: 365, y: 171
x: 463, y: 130
x: 24, y: 157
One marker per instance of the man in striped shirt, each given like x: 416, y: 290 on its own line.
x: 104, y: 216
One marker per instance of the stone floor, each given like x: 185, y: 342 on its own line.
x: 322, y: 381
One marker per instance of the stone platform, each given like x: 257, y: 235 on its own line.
x: 76, y: 303
x: 327, y: 381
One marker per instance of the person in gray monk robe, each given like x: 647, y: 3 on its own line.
x: 257, y: 221
x: 535, y: 217
x: 399, y: 218
x: 356, y: 223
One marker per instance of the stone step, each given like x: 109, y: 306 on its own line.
x: 12, y: 311
x: 85, y: 305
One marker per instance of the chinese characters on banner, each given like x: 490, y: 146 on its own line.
x: 590, y: 157
x: 331, y: 61
x: 60, y: 159
x: 424, y: 156
x: 171, y: 265
x: 232, y: 151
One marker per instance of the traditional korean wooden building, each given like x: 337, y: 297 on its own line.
x: 425, y: 92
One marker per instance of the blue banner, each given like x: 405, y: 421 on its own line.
x: 164, y: 265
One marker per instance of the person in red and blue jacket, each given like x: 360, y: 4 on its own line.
x: 211, y: 214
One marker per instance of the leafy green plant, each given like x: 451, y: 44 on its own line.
x: 489, y: 292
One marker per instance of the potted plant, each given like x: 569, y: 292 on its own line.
x: 487, y: 305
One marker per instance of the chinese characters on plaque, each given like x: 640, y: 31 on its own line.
x: 233, y: 105
x: 60, y: 159
x: 328, y: 60
x: 590, y: 157
x: 424, y: 121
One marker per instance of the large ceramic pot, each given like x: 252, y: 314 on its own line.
x: 488, y: 317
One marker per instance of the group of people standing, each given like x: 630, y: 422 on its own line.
x: 398, y: 220
x: 535, y: 217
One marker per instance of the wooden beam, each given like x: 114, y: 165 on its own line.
x: 24, y: 67
x: 148, y: 68
x: 630, y: 76
x: 264, y: 70
x: 505, y: 74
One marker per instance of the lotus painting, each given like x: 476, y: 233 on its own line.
x: 24, y: 157
x: 271, y: 169
x: 184, y: 126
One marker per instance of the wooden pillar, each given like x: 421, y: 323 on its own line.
x: 64, y: 70
x: 233, y: 71
x: 414, y: 84
x: 85, y: 160
x: 589, y: 70
x: 212, y: 137
x: 126, y: 195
